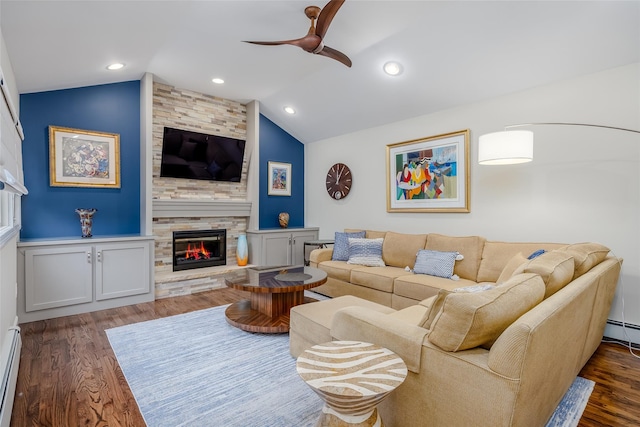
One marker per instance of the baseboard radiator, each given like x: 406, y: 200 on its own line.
x: 9, y: 362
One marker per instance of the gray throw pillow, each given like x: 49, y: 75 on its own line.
x: 435, y: 263
x: 341, y: 245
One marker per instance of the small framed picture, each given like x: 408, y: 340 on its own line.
x: 279, y: 179
x: 429, y: 174
x: 83, y: 158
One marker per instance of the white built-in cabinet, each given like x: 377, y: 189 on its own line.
x: 279, y: 247
x: 62, y: 277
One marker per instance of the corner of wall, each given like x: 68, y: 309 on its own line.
x: 253, y: 150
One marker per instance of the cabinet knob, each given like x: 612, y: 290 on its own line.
x: 99, y: 256
x: 89, y: 257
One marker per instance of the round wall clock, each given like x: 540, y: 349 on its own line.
x: 339, y: 181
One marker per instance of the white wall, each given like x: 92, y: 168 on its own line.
x: 8, y: 251
x: 583, y: 185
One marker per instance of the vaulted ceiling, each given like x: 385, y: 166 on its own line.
x: 453, y: 52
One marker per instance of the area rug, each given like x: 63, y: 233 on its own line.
x: 195, y: 369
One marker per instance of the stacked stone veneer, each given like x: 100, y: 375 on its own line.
x: 188, y: 110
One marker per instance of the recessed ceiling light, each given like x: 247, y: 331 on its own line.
x: 217, y: 81
x: 115, y: 66
x: 392, y: 68
x: 289, y: 110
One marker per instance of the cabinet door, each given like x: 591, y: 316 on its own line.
x: 57, y: 277
x: 297, y: 245
x: 122, y: 269
x: 276, y: 249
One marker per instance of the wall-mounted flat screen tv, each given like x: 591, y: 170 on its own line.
x: 194, y: 155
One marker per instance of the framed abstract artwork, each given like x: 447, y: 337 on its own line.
x: 279, y: 179
x: 83, y: 158
x: 429, y: 174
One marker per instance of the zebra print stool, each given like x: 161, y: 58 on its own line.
x: 351, y: 377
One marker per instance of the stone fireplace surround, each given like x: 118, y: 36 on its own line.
x: 180, y: 215
x: 186, y: 204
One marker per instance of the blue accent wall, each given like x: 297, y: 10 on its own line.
x: 48, y: 212
x: 278, y: 146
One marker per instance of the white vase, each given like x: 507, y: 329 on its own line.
x: 242, y: 251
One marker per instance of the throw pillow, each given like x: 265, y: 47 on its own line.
x: 586, y: 256
x: 434, y: 309
x: 469, y: 320
x: 556, y: 269
x: 435, y: 263
x: 508, y: 270
x: 341, y: 245
x: 536, y: 254
x: 365, y: 252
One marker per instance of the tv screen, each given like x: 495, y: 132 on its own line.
x: 194, y: 155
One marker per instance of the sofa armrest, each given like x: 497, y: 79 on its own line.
x: 362, y: 324
x: 318, y: 255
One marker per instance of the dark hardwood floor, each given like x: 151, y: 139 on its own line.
x: 69, y: 375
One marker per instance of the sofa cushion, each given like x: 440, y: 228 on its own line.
x: 470, y: 247
x: 556, y: 269
x: 435, y: 263
x: 468, y: 320
x: 434, y: 304
x: 341, y: 245
x: 379, y: 278
x: 373, y: 234
x: 586, y: 256
x: 366, y: 252
x: 516, y: 261
x: 399, y: 250
x: 313, y: 321
x: 422, y: 286
x: 338, y: 269
x: 496, y: 255
x: 369, y: 234
x: 412, y: 315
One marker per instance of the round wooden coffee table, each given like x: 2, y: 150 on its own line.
x: 274, y: 290
x: 351, y: 377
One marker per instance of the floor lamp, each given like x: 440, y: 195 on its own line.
x: 509, y: 147
x: 516, y: 146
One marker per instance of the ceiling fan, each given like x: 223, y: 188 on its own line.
x: 313, y: 41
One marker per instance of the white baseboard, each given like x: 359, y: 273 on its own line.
x: 623, y: 332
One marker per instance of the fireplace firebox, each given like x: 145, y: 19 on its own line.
x: 199, y: 248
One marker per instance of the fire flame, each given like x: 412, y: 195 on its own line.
x: 197, y: 252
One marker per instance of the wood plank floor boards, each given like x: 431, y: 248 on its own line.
x: 69, y: 375
x: 615, y: 400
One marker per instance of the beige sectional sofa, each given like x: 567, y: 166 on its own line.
x: 501, y: 357
x: 393, y: 286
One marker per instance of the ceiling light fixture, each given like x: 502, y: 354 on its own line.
x: 115, y: 66
x: 289, y: 110
x: 392, y: 68
x: 217, y: 80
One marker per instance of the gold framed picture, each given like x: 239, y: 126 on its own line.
x: 83, y: 158
x: 429, y: 174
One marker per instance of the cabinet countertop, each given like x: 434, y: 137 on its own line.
x: 282, y: 230
x: 53, y: 241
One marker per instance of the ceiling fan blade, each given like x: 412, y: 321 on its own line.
x: 296, y: 42
x: 335, y: 54
x: 326, y: 16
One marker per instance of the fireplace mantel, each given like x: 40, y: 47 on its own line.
x: 184, y: 208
